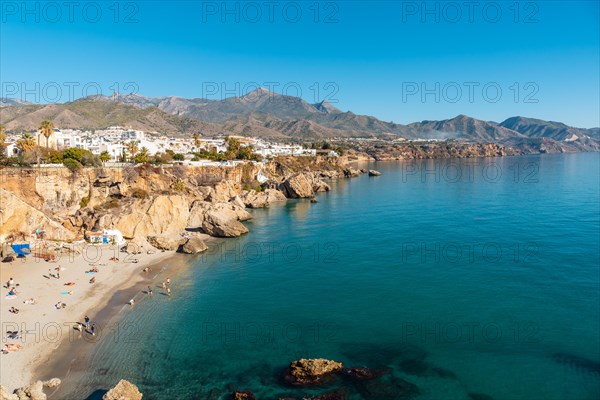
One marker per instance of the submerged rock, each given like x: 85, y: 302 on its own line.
x: 312, y: 372
x: 124, y: 390
x: 387, y: 388
x: 479, y: 396
x: 577, y: 362
x: 363, y: 374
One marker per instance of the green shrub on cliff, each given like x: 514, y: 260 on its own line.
x: 84, y: 202
x: 72, y: 164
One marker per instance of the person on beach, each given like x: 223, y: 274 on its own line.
x: 58, y: 272
x: 93, y: 280
x: 86, y: 321
x: 164, y: 285
x: 131, y: 302
x: 79, y: 327
x: 169, y: 292
x: 13, y: 292
x: 13, y: 310
x: 10, y: 283
x: 168, y: 281
x: 50, y: 275
x: 93, y: 329
x: 149, y: 290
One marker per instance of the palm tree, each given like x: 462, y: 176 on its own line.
x: 26, y: 143
x: 105, y: 156
x: 196, y: 140
x: 132, y: 148
x: 143, y: 156
x: 46, y: 128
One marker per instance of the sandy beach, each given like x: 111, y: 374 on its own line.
x: 42, y: 326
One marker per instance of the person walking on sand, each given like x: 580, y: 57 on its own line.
x: 149, y: 290
x: 168, y: 281
x: 11, y: 282
x: 169, y: 292
x: 164, y: 285
x: 86, y: 321
x: 50, y: 273
x: 93, y: 329
x: 58, y: 272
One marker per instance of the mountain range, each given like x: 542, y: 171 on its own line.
x: 262, y: 113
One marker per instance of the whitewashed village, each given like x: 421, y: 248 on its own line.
x: 118, y: 144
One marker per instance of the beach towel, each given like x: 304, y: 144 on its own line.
x: 11, y: 296
x: 65, y: 293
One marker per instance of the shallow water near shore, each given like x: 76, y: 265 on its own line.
x: 461, y: 276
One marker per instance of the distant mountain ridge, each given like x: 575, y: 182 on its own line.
x: 263, y: 113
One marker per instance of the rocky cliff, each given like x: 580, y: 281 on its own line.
x: 162, y: 206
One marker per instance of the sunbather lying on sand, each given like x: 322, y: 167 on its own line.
x: 11, y: 348
x: 30, y: 301
x: 69, y: 283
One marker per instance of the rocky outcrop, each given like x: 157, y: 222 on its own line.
x: 16, y: 216
x: 194, y: 245
x: 297, y: 186
x: 245, y: 395
x: 166, y: 242
x: 222, y: 192
x: 35, y: 391
x: 254, y: 199
x: 138, y: 245
x: 219, y: 219
x: 373, y: 172
x: 6, y: 395
x: 124, y: 390
x: 164, y: 215
x: 351, y: 172
x: 312, y: 372
x: 320, y: 186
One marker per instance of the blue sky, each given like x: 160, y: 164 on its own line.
x: 399, y: 61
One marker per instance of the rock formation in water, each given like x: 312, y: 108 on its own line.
x: 245, y: 395
x: 194, y: 245
x: 124, y: 390
x: 311, y: 372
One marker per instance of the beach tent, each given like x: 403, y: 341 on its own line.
x: 21, y: 249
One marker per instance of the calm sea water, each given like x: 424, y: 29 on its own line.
x: 462, y: 276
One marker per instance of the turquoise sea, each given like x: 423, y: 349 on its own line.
x: 463, y: 277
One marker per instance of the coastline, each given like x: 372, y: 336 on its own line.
x: 43, y: 359
x: 44, y: 330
